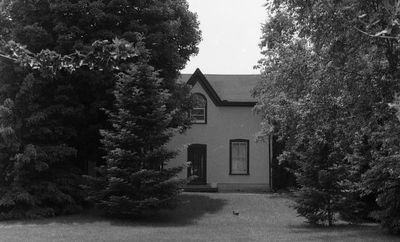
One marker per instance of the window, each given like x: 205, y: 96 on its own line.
x: 239, y: 157
x: 198, y: 113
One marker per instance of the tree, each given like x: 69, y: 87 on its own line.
x: 171, y: 34
x: 170, y: 29
x: 325, y: 93
x: 383, y: 176
x: 59, y: 113
x: 135, y: 178
x: 298, y: 103
x: 38, y: 178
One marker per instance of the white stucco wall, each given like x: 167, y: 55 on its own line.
x: 224, y: 124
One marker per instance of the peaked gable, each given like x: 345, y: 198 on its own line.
x: 198, y: 77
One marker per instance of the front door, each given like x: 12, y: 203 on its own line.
x: 197, y: 155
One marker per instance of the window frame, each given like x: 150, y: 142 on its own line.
x: 248, y: 157
x: 205, y: 110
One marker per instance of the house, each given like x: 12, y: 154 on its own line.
x: 221, y: 144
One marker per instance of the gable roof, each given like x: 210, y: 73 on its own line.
x: 225, y: 90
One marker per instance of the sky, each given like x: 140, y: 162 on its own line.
x: 231, y: 31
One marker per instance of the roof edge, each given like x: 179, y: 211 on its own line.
x: 199, y: 77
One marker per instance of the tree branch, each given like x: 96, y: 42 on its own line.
x: 7, y: 58
x: 374, y: 36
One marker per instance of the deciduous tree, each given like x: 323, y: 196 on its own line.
x: 329, y: 74
x: 171, y: 34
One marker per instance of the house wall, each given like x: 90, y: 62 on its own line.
x: 224, y: 124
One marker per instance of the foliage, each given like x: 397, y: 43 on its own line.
x: 135, y: 179
x: 383, y: 176
x: 326, y: 87
x: 171, y: 34
x: 39, y: 177
x: 171, y: 30
x: 54, y: 92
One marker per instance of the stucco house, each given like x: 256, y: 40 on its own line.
x: 221, y: 145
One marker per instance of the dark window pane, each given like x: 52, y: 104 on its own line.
x: 198, y: 111
x: 198, y: 101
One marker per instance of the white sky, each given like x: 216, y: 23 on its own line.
x: 231, y: 31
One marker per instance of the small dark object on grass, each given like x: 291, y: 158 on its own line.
x: 235, y: 212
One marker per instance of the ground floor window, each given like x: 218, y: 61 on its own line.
x: 239, y: 157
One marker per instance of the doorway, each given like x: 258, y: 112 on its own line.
x: 197, y: 155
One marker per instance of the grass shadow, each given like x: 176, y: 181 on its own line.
x: 191, y: 207
x: 281, y: 195
x: 343, y: 232
x: 337, y: 227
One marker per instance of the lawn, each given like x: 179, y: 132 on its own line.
x: 201, y: 217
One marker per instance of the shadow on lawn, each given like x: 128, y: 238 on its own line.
x: 344, y: 232
x: 191, y: 207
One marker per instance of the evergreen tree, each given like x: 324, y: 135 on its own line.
x: 135, y: 178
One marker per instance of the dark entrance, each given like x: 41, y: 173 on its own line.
x: 281, y: 177
x: 197, y: 155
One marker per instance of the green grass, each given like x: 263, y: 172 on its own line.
x: 201, y: 217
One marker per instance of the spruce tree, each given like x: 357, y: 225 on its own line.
x: 135, y: 178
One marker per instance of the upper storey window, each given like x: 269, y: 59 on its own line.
x: 198, y: 113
